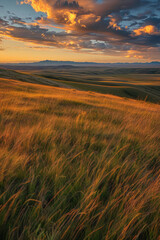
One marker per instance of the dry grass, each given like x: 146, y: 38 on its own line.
x: 77, y: 165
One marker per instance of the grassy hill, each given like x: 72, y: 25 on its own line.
x: 77, y: 165
x: 29, y: 78
x: 135, y: 83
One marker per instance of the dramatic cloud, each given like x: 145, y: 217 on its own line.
x: 112, y: 27
x: 83, y: 14
x: 90, y: 16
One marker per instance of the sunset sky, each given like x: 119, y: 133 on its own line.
x: 82, y: 30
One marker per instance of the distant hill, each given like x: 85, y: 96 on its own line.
x: 73, y: 63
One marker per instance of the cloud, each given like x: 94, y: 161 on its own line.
x: 3, y: 23
x: 134, y: 54
x: 64, y: 39
x: 149, y: 29
x: 89, y: 16
x: 112, y: 27
x: 39, y: 38
x: 113, y: 23
x: 83, y: 14
x: 17, y: 20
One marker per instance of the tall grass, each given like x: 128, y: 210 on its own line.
x: 77, y: 165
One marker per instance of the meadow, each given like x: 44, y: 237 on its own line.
x: 77, y: 165
x: 135, y: 83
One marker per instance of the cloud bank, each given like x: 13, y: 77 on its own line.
x: 112, y: 27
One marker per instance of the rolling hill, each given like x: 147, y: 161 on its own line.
x: 143, y: 84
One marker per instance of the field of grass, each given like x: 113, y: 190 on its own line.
x: 134, y: 83
x: 77, y: 165
x: 25, y: 77
x: 130, y: 83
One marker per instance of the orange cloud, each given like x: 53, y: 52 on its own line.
x: 113, y: 23
x: 54, y: 8
x: 39, y: 5
x: 88, y: 19
x: 149, y: 29
x: 77, y: 15
x: 59, y: 14
x: 134, y: 54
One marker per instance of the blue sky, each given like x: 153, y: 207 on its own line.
x: 14, y: 8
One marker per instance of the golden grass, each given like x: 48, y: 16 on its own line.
x: 77, y: 165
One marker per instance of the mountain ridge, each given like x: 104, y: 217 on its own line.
x: 52, y: 62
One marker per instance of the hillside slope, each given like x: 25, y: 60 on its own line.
x: 130, y: 83
x: 77, y: 165
x: 140, y: 84
x: 15, y: 75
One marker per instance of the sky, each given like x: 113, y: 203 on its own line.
x: 83, y: 30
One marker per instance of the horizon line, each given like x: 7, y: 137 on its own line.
x: 79, y: 62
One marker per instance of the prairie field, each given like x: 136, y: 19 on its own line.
x: 77, y: 165
x: 135, y: 83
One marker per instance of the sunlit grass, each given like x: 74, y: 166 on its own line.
x: 77, y: 165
